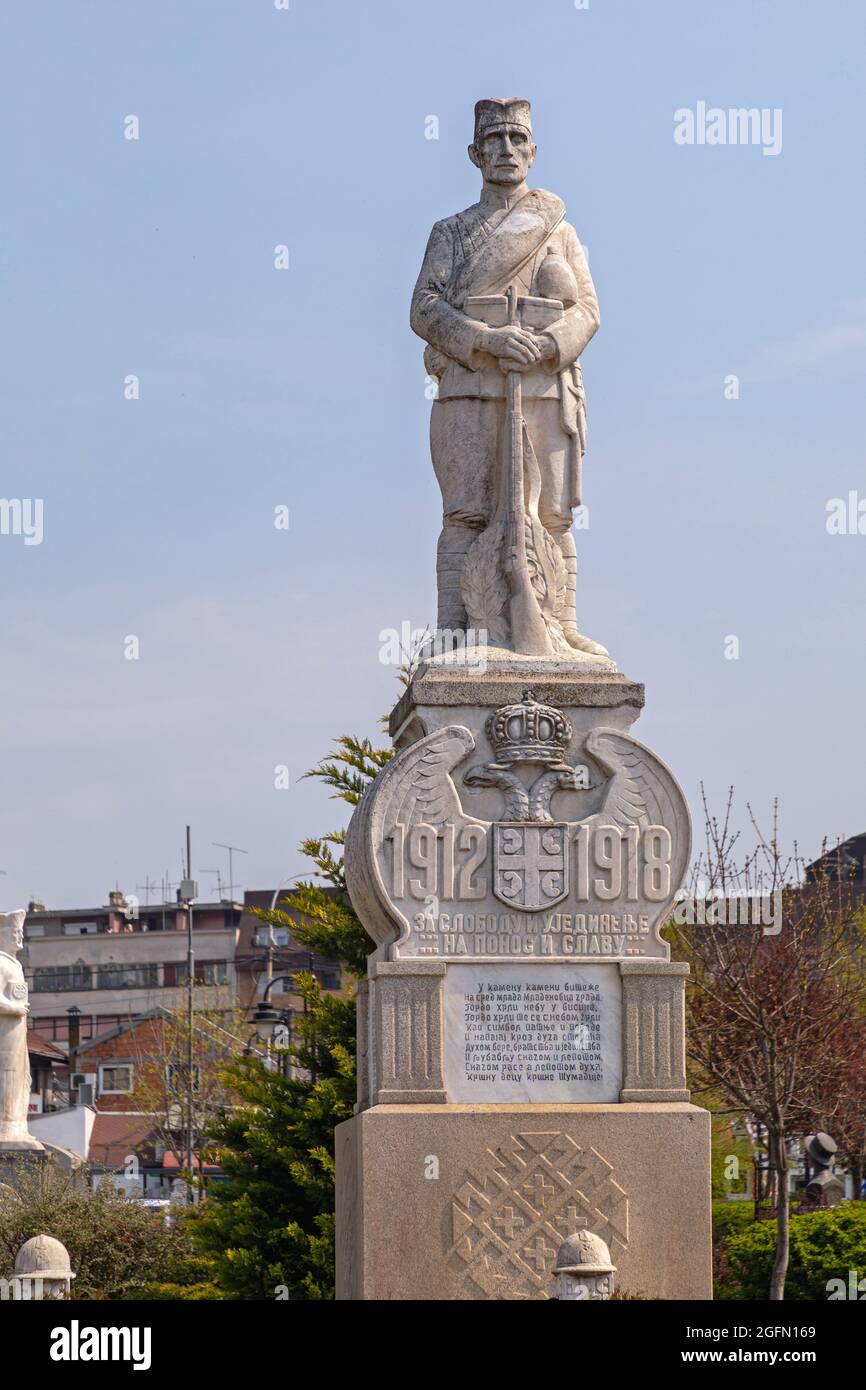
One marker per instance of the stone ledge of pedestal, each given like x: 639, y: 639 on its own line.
x: 379, y: 969
x: 654, y: 967
x: 648, y: 1097
x: 562, y: 684
x: 526, y: 1108
x: 412, y: 1098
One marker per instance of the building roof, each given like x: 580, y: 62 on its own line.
x: 42, y: 1047
x: 128, y: 1026
x: 846, y: 860
x: 118, y: 1133
x: 169, y: 1162
x: 223, y: 905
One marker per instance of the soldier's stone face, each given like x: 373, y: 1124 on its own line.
x: 11, y: 933
x: 503, y: 155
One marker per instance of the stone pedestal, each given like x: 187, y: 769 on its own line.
x: 521, y: 1039
x: 462, y: 1202
x: 18, y: 1165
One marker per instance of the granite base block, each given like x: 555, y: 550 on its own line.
x: 466, y: 1202
x: 20, y: 1166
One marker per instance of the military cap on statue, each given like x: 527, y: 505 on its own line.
x: 494, y: 112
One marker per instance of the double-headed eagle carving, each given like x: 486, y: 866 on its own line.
x: 620, y: 786
x: 422, y: 788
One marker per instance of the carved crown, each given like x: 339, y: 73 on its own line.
x: 529, y: 732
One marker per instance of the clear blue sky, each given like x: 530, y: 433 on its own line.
x: 306, y: 388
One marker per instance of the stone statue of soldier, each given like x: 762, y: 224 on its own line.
x: 513, y: 240
x: 14, y: 1062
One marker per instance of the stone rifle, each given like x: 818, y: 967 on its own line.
x: 528, y: 629
x: 530, y: 563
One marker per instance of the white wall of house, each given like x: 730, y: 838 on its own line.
x: 70, y: 1128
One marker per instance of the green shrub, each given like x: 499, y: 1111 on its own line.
x: 174, y: 1293
x: 114, y: 1244
x: 824, y: 1245
x: 729, y: 1217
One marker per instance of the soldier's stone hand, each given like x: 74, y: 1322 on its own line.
x: 517, y: 346
x: 547, y: 347
x: 511, y: 364
x: 547, y: 352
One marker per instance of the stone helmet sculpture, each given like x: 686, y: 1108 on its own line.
x: 824, y: 1186
x: 43, y: 1257
x: 555, y: 279
x: 583, y: 1268
x: 821, y: 1149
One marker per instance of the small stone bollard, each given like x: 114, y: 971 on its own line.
x: 42, y: 1269
x: 583, y: 1269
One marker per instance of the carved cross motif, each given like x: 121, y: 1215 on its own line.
x: 539, y: 1189
x: 539, y: 1251
x: 509, y: 1221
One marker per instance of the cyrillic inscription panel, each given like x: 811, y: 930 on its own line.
x: 533, y: 1034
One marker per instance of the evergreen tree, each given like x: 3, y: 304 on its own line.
x: 269, y: 1228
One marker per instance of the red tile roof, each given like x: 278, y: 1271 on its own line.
x: 43, y: 1046
x: 116, y: 1135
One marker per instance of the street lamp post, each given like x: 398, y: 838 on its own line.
x: 187, y: 894
x: 268, y: 1020
x: 271, y: 942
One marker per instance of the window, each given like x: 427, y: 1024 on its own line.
x: 115, y: 1078
x: 282, y: 989
x: 34, y: 929
x: 50, y: 979
x: 127, y: 976
x: 212, y: 972
x: 207, y: 972
x: 79, y: 928
x: 328, y: 976
x: 282, y: 937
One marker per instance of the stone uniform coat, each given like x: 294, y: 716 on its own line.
x: 458, y: 243
x: 14, y: 1064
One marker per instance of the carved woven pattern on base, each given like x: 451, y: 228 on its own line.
x: 510, y: 1215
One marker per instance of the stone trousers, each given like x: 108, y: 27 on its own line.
x: 467, y: 445
x: 14, y: 1079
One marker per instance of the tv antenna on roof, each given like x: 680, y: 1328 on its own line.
x: 232, y: 849
x: 219, y: 880
x: 146, y: 888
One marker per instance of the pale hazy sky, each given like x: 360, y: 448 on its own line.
x: 305, y: 387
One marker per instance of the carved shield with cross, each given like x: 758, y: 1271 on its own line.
x: 530, y: 865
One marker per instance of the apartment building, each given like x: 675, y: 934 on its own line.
x: 102, y: 966
x: 267, y: 953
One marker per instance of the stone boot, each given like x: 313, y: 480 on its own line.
x: 567, y: 613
